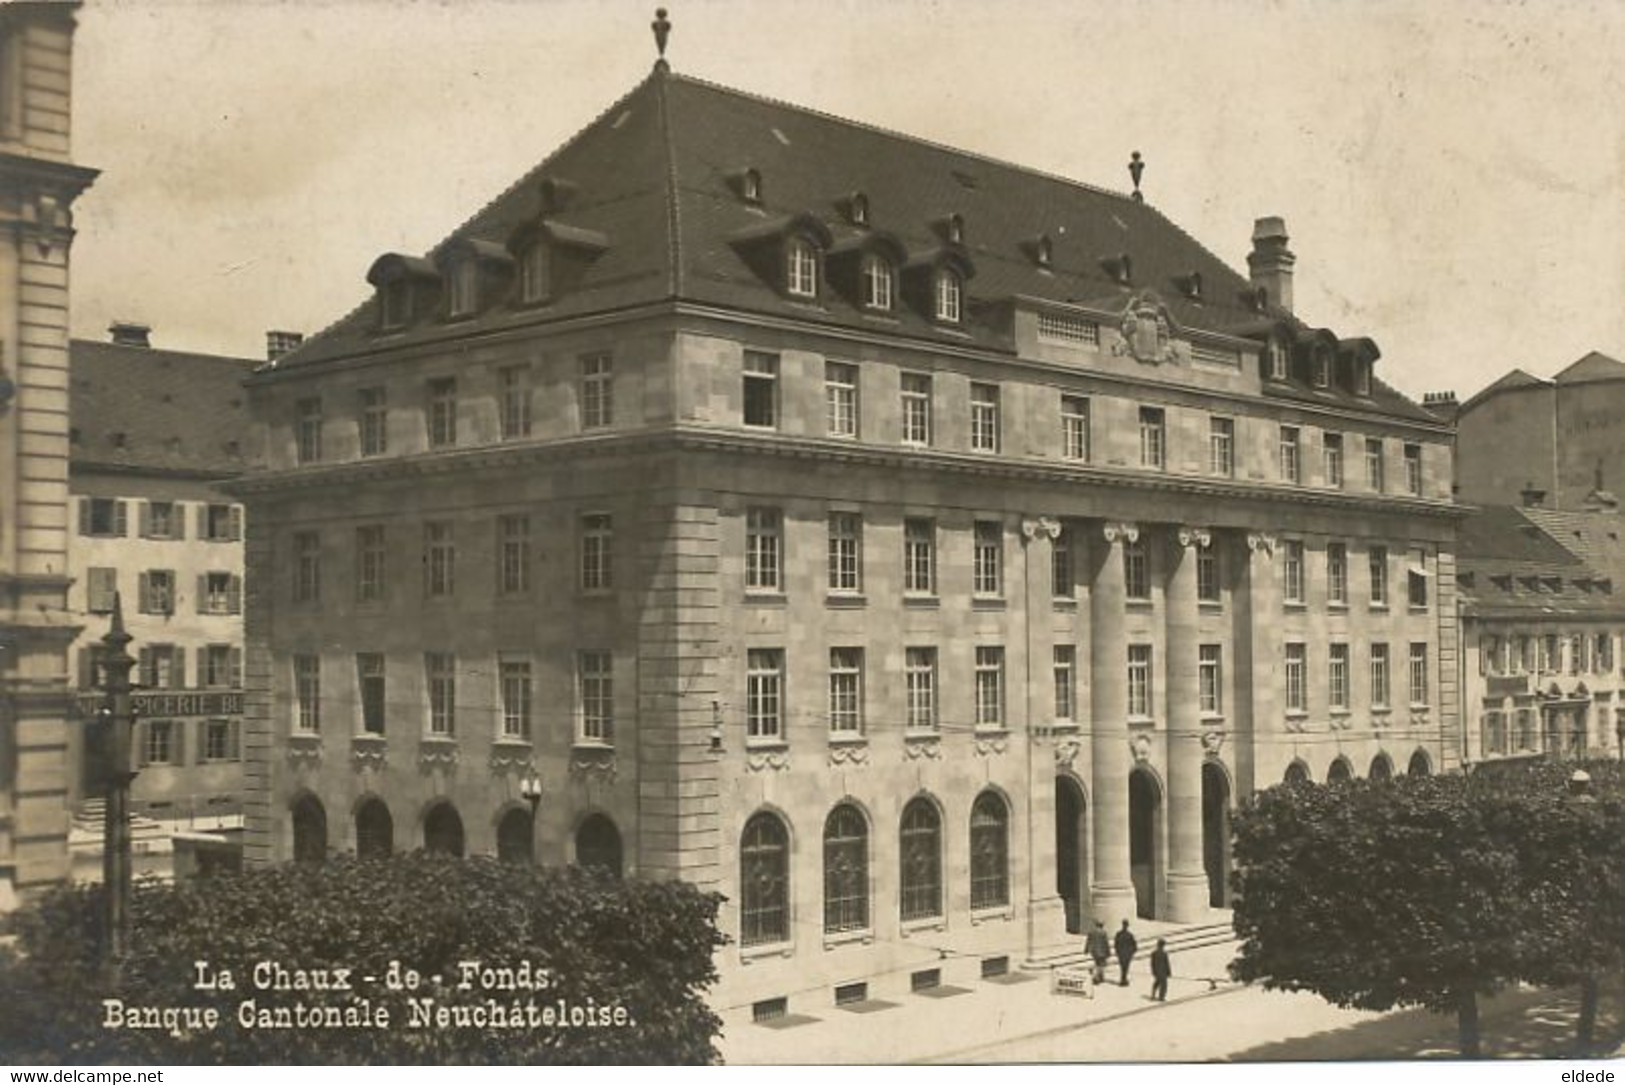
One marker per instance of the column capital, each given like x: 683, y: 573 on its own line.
x: 1194, y: 536
x: 1116, y: 531
x: 1261, y: 541
x: 1046, y: 526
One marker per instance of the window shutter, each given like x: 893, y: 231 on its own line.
x: 144, y: 603
x: 172, y: 604
x: 200, y: 657
x: 120, y: 524
x: 202, y: 514
x: 87, y: 669
x: 177, y: 521
x: 203, y: 593
x: 144, y: 665
x: 235, y: 665
x: 236, y: 523
x: 84, y: 516
x: 146, y: 519
x: 234, y: 595
x: 234, y: 739
x: 138, y: 738
x: 177, y: 743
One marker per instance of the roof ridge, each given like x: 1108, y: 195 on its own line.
x: 236, y: 359
x: 674, y: 270
x: 895, y: 134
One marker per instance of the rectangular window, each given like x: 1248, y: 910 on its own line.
x: 221, y: 667
x: 597, y: 546
x: 840, y: 399
x: 1419, y: 675
x: 442, y: 412
x: 157, y: 587
x: 920, y: 557
x: 1337, y: 676
x: 761, y: 389
x: 764, y: 694
x: 595, y: 677
x: 1066, y: 684
x: 1379, y: 675
x: 307, y: 567
x: 369, y: 563
x: 514, y: 679
x: 100, y: 588
x: 1139, y: 680
x: 514, y: 390
x: 1221, y: 447
x: 162, y: 520
x: 920, y: 680
x: 307, y: 694
x: 1373, y: 463
x: 845, y: 552
x: 369, y: 674
x: 1337, y: 574
x: 102, y: 516
x: 439, y: 559
x: 1332, y: 447
x: 1075, y: 427
x: 846, y: 691
x: 1377, y: 562
x: 764, y: 536
x: 219, y: 740
x: 597, y: 391
x: 220, y: 523
x: 990, y: 688
x: 465, y: 287
x: 1208, y: 589
x: 1063, y: 578
x: 1605, y: 653
x: 1290, y: 471
x: 984, y: 417
x: 1136, y: 571
x: 1153, y: 438
x: 987, y: 570
x: 1209, y: 679
x: 1292, y: 572
x: 513, y: 554
x: 1416, y: 579
x: 308, y: 425
x: 1494, y: 736
x: 916, y: 409
x: 1297, y: 677
x: 372, y: 418
x: 440, y: 668
x: 1413, y: 470
x: 162, y: 667
x: 160, y: 745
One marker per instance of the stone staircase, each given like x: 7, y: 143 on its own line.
x: 1181, y: 938
x: 151, y: 845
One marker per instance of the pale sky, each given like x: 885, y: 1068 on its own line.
x: 1452, y: 173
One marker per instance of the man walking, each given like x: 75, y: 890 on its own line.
x: 1161, y: 969
x: 1126, y: 948
x: 1098, y: 948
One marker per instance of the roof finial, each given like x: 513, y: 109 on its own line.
x: 1135, y: 168
x: 662, y: 28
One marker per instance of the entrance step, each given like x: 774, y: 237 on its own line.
x: 1180, y: 938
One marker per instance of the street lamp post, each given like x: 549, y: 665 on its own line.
x: 120, y: 718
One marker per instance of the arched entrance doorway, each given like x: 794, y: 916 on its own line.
x: 1071, y: 850
x: 443, y: 831
x: 598, y: 844
x: 374, y: 830
x: 1216, y: 834
x: 514, y: 837
x: 1381, y: 768
x: 309, y: 830
x: 1419, y: 764
x: 1144, y: 829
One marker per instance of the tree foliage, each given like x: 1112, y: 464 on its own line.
x: 1431, y: 891
x: 644, y: 946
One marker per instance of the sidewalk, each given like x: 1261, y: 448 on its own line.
x: 950, y: 1025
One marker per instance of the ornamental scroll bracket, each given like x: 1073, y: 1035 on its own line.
x: 1140, y: 747
x: 1066, y: 752
x: 1261, y: 541
x: 1195, y: 536
x: 1045, y: 526
x: 1119, y: 532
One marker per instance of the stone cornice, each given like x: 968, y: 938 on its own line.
x: 711, y: 439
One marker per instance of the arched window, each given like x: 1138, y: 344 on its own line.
x: 1419, y: 764
x: 846, y: 870
x: 374, y: 830
x: 443, y: 831
x: 309, y: 830
x: 535, y: 267
x: 1340, y: 772
x: 598, y: 845
x: 801, y: 268
x: 1297, y: 773
x: 921, y: 847
x: 877, y: 282
x: 989, y: 852
x: 1381, y: 768
x: 514, y: 843
x: 764, y: 881
x: 950, y: 295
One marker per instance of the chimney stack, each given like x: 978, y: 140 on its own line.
x: 1442, y: 404
x: 279, y: 343
x: 1270, y: 262
x: 127, y: 333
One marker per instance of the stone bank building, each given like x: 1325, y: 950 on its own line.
x: 922, y: 551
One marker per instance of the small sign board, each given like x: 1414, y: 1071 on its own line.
x: 1072, y: 981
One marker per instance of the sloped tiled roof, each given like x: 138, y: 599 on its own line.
x: 1541, y: 562
x: 139, y: 408
x: 1595, y: 366
x: 1516, y: 379
x: 656, y: 174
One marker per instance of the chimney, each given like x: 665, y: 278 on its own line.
x: 1442, y: 404
x: 1531, y: 497
x: 1270, y: 262
x: 127, y: 333
x: 279, y: 343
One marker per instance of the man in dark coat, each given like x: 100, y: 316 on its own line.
x: 1126, y: 948
x: 1161, y: 969
x: 1099, y: 949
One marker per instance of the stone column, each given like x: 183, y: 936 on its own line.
x: 1046, y: 915
x: 1113, y: 890
x: 1259, y: 679
x: 1187, y: 878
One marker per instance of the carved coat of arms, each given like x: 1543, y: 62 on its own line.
x: 1146, y: 332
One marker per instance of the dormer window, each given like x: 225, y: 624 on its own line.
x: 1276, y: 357
x: 950, y: 296
x: 955, y: 227
x: 859, y: 209
x: 1362, y: 378
x: 465, y: 287
x: 877, y: 282
x: 750, y: 186
x: 395, y: 304
x: 1323, y: 367
x: 801, y: 268
x: 1044, y: 252
x: 535, y: 265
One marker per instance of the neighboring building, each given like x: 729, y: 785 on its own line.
x: 1555, y: 442
x: 38, y: 184
x: 154, y: 434
x: 924, y: 552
